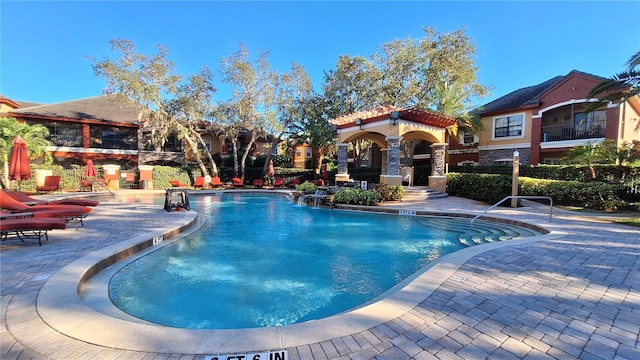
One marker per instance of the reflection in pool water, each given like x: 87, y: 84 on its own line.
x: 263, y: 261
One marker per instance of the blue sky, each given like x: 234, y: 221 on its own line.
x: 44, y: 45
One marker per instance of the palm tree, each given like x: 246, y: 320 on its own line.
x: 34, y: 135
x: 619, y: 87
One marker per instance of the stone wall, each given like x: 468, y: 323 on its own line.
x: 488, y: 157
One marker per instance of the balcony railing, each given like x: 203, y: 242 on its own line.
x: 592, y: 130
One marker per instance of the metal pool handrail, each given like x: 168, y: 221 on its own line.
x: 518, y: 197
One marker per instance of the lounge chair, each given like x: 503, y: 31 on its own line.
x: 176, y: 183
x: 278, y: 182
x: 215, y: 182
x: 51, y: 183
x: 26, y: 223
x: 258, y: 183
x: 295, y: 182
x: 319, y: 182
x: 199, y: 182
x: 237, y: 182
x: 28, y: 200
x: 75, y: 213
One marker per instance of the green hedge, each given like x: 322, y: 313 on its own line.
x: 357, y: 197
x: 389, y: 192
x: 491, y: 188
x: 555, y: 172
x: 488, y: 188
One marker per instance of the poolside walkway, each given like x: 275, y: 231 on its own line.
x: 575, y: 294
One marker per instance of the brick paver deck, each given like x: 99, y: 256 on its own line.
x: 572, y: 295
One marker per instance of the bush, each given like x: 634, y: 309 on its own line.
x: 307, y: 187
x: 357, y: 197
x: 487, y: 188
x: 389, y: 192
x: 591, y: 195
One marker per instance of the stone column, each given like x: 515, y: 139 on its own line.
x: 343, y: 172
x: 384, y: 161
x: 438, y: 178
x: 392, y: 176
x: 112, y: 176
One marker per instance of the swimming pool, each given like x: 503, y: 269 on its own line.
x: 262, y: 261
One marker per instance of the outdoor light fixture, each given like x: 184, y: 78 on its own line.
x: 359, y: 123
x: 395, y: 116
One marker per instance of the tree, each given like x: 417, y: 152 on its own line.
x: 34, y: 135
x: 169, y: 106
x: 252, y: 104
x: 619, y: 87
x: 606, y: 152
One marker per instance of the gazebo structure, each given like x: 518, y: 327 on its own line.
x: 387, y: 126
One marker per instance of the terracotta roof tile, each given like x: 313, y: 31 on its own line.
x: 382, y: 113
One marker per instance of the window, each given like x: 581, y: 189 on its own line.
x: 508, y: 126
x: 582, y: 122
x: 62, y: 134
x: 108, y: 137
x: 468, y: 137
x: 309, y: 152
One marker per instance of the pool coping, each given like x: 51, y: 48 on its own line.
x: 60, y: 306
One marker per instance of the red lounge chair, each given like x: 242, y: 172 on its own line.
x: 215, y: 182
x: 51, y: 183
x: 28, y: 200
x: 294, y: 183
x: 38, y: 226
x: 278, y: 182
x: 74, y: 213
x: 199, y: 182
x: 259, y: 183
x: 237, y: 182
x: 176, y: 183
x: 320, y: 182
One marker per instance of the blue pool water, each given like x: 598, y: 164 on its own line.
x: 264, y: 261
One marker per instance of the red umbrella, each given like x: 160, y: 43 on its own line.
x: 325, y: 173
x: 19, y: 165
x: 89, y: 171
x: 270, y: 171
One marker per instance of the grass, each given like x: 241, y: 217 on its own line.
x: 632, y: 222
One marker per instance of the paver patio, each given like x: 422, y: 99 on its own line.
x: 575, y: 294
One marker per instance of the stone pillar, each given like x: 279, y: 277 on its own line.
x: 438, y: 178
x: 112, y: 176
x: 343, y: 168
x: 384, y: 161
x: 392, y: 176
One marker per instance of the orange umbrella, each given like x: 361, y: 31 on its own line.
x: 19, y: 165
x: 270, y: 171
x: 89, y: 170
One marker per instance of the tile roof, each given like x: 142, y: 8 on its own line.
x: 107, y: 108
x: 526, y: 96
x: 382, y: 113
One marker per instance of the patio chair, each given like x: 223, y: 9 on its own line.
x: 293, y: 183
x: 258, y: 183
x: 25, y: 224
x: 237, y: 182
x: 215, y: 182
x: 278, y: 182
x: 75, y: 213
x: 176, y: 183
x: 199, y: 183
x: 51, y: 183
x: 28, y: 200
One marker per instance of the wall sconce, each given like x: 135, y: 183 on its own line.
x: 395, y: 116
x: 359, y: 123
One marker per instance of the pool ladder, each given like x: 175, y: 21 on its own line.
x: 518, y: 197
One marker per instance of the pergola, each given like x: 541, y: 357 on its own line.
x: 387, y: 126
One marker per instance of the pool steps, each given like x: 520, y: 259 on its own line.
x: 481, y: 233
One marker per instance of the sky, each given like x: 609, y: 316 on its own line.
x: 46, y: 46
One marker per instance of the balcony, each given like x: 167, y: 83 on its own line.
x: 592, y: 130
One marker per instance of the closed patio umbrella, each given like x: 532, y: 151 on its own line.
x: 325, y: 173
x: 270, y: 171
x: 19, y: 164
x: 89, y: 170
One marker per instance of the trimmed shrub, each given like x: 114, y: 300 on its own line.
x: 357, y: 197
x: 307, y: 187
x: 487, y: 188
x: 389, y: 192
x: 591, y: 195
